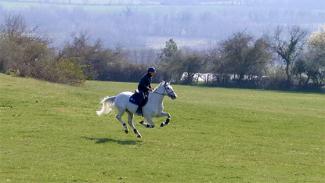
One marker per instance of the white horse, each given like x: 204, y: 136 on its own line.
x: 153, y: 108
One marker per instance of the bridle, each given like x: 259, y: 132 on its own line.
x: 163, y: 94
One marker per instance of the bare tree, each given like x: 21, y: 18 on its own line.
x: 289, y: 47
x: 14, y: 26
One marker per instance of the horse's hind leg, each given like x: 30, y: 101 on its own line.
x: 130, y: 121
x: 119, y: 118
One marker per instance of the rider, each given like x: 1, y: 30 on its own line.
x: 145, y: 86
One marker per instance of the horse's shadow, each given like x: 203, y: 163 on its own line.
x: 110, y: 140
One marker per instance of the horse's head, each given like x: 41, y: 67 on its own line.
x: 166, y: 89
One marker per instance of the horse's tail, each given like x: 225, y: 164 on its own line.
x: 107, y: 104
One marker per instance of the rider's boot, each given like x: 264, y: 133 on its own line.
x: 139, y: 110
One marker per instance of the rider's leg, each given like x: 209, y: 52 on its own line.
x: 143, y: 101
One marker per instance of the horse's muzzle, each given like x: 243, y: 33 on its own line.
x: 173, y: 97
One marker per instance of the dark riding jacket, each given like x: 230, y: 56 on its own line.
x: 145, y: 83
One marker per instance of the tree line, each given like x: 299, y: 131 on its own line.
x: 24, y: 53
x: 287, y: 59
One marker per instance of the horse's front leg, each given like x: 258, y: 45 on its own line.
x: 167, y: 120
x: 147, y: 122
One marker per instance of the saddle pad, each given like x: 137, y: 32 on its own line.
x: 136, y: 98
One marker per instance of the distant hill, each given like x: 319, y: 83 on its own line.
x: 294, y: 3
x: 148, y: 23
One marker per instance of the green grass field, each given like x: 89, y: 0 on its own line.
x: 50, y: 133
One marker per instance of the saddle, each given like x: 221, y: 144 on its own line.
x: 138, y: 98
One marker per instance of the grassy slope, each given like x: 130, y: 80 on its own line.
x: 50, y: 133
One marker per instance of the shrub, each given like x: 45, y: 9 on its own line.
x: 67, y: 71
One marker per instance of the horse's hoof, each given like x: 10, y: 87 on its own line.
x: 141, y: 122
x: 139, y: 136
x: 150, y: 126
x: 126, y: 131
x: 162, y: 125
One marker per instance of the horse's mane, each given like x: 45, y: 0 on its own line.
x: 156, y: 88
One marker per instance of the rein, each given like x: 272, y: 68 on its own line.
x: 163, y: 94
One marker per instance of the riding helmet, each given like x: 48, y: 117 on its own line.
x: 151, y: 69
